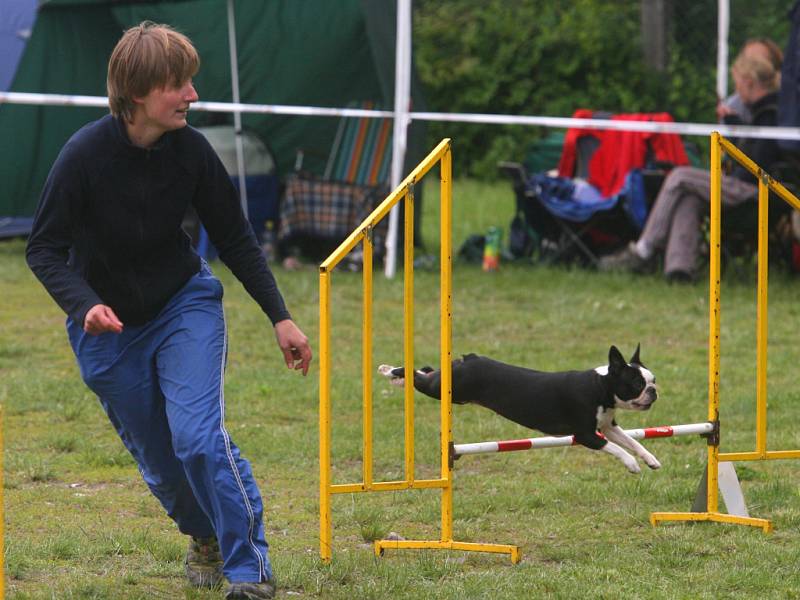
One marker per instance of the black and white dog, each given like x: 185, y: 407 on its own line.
x: 579, y: 403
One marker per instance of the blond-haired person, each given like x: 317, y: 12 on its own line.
x: 733, y: 110
x: 144, y: 311
x: 673, y: 225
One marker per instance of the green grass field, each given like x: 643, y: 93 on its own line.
x: 80, y: 523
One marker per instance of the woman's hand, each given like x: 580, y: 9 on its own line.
x: 101, y: 319
x: 294, y: 345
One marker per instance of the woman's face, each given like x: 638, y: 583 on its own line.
x: 744, y: 87
x: 165, y: 109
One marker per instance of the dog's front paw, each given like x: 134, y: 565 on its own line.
x: 632, y: 465
x: 386, y: 370
x: 652, y: 462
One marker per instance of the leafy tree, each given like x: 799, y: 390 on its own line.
x: 538, y: 57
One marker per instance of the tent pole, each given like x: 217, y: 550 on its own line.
x: 402, y: 87
x: 237, y: 115
x: 723, y: 26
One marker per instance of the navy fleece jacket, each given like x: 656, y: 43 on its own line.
x: 108, y: 226
x: 764, y: 152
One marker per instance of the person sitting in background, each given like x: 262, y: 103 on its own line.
x: 733, y: 110
x: 674, y: 223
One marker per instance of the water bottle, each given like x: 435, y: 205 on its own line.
x: 491, y: 249
x: 269, y: 245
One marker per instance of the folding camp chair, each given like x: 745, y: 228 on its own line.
x: 317, y: 213
x: 537, y: 230
x: 360, y: 152
x: 626, y: 167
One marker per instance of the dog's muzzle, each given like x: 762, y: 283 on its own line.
x: 649, y: 395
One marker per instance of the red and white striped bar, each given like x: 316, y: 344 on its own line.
x: 569, y: 440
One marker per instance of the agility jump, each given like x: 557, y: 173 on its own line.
x: 441, y: 155
x: 449, y: 451
x: 765, y: 184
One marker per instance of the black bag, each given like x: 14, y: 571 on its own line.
x: 472, y: 249
x: 522, y: 238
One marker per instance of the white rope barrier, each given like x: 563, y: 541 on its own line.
x: 701, y: 129
x: 569, y: 440
x: 52, y: 99
x: 232, y: 107
x: 698, y: 129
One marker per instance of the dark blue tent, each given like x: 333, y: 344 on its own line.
x: 16, y: 24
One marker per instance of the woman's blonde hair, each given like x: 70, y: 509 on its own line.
x: 773, y: 51
x: 147, y: 57
x: 759, y: 70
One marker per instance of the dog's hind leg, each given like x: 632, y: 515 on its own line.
x: 595, y: 442
x: 426, y: 379
x: 395, y: 374
x: 616, y: 434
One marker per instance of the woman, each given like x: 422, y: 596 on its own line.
x: 673, y: 225
x: 144, y: 312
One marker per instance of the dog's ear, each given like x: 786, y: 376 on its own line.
x: 615, y: 360
x: 635, y: 358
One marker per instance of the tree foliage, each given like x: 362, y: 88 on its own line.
x: 538, y: 57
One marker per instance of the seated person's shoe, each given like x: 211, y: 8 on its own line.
x: 203, y: 563
x: 251, y: 591
x: 679, y: 277
x: 626, y: 259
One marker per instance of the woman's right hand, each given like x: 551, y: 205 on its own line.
x: 101, y: 319
x: 723, y: 110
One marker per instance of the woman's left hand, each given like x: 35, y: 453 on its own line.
x: 294, y: 345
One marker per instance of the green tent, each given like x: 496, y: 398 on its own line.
x: 295, y: 52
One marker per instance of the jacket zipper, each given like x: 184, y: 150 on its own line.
x: 140, y: 222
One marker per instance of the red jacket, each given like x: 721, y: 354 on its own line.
x: 620, y: 151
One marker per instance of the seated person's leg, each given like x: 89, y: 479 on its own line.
x: 639, y: 256
x: 683, y: 242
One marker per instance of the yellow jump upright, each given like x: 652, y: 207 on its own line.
x: 2, y: 504
x: 765, y: 184
x: 404, y: 192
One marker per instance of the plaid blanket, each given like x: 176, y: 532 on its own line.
x: 328, y: 210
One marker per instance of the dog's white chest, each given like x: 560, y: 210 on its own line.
x: 605, y: 417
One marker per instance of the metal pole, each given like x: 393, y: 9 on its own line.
x: 325, y: 526
x: 237, y: 115
x: 445, y: 340
x: 402, y: 91
x: 569, y: 440
x: 2, y: 512
x: 761, y: 312
x: 408, y: 328
x: 723, y: 26
x: 366, y: 358
x: 714, y: 276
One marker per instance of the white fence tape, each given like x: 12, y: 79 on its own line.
x: 702, y: 129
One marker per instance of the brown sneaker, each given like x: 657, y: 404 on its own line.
x: 251, y: 591
x: 626, y: 259
x: 203, y: 563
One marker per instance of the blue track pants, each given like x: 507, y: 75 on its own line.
x: 161, y: 385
